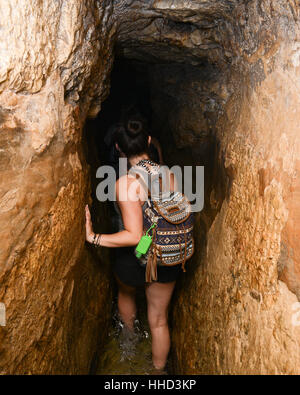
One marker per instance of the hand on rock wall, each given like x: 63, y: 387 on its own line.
x: 89, y: 234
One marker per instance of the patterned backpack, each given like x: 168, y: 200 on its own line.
x: 170, y: 221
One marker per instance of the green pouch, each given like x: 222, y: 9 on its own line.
x: 145, y: 243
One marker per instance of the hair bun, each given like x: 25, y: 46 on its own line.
x: 134, y: 127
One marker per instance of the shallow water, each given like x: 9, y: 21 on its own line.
x: 124, y: 352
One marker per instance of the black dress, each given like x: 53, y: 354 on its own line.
x: 127, y: 267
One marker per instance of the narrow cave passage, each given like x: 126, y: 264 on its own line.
x: 218, y: 81
x: 212, y: 78
x: 191, y: 143
x: 129, y: 87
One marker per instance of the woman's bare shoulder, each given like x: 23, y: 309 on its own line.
x: 126, y: 180
x: 129, y: 185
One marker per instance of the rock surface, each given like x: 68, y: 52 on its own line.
x: 236, y: 311
x: 54, y: 68
x: 233, y: 109
x: 179, y: 31
x: 225, y: 94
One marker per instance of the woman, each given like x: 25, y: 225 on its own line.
x: 133, y: 141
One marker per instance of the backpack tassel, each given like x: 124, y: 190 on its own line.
x: 151, y: 268
x: 154, y: 266
x: 148, y: 267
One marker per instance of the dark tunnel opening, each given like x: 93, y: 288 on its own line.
x: 133, y: 83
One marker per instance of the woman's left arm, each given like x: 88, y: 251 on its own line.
x: 132, y: 216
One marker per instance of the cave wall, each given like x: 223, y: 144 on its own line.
x: 54, y: 67
x: 240, y: 121
x: 235, y: 312
x: 232, y: 109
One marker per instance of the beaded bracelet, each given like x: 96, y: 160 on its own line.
x: 96, y: 240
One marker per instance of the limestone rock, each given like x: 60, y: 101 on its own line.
x: 225, y: 94
x: 54, y: 289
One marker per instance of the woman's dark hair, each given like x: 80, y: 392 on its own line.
x: 131, y: 134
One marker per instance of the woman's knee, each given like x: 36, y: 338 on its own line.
x: 157, y: 319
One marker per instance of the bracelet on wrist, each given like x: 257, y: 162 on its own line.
x: 98, y: 241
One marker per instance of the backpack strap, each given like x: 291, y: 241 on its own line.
x: 145, y: 169
x: 144, y: 186
x: 185, y: 249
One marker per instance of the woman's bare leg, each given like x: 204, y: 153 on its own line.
x: 158, y: 299
x: 126, y: 303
